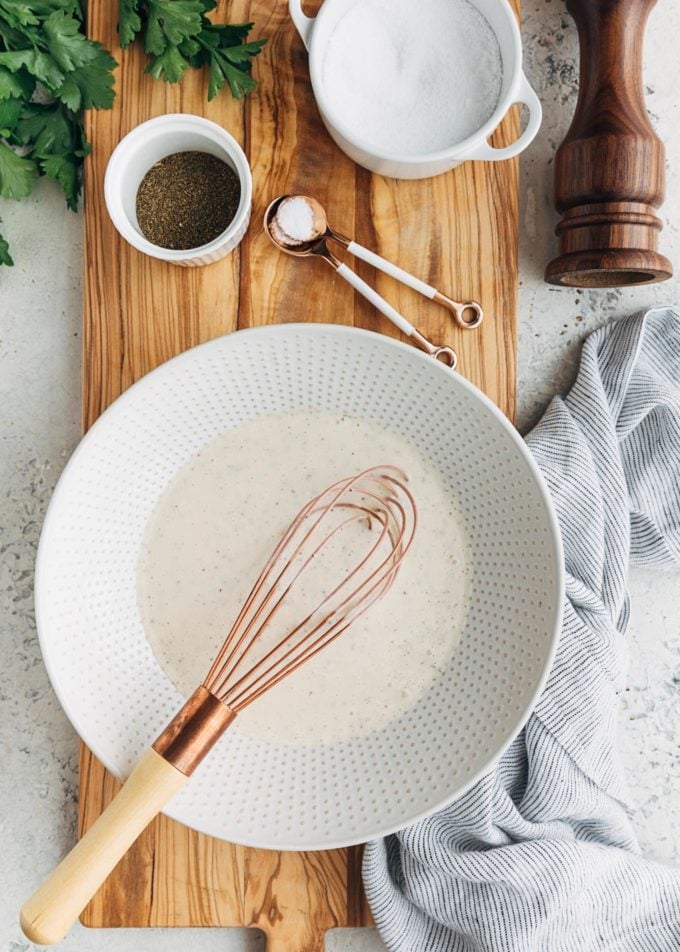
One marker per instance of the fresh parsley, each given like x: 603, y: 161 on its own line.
x: 178, y: 34
x: 50, y: 72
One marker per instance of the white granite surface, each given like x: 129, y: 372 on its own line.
x: 39, y: 426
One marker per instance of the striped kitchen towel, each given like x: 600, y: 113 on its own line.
x: 541, y: 853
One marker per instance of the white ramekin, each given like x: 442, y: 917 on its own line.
x: 316, y: 32
x: 147, y: 144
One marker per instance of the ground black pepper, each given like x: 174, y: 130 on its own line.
x: 187, y: 199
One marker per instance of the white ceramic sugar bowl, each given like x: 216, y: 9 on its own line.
x: 316, y: 33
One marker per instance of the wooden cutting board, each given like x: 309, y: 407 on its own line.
x: 458, y: 231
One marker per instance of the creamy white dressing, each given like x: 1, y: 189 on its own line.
x: 216, y: 524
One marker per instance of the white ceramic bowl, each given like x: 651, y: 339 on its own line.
x: 285, y: 797
x: 316, y: 32
x: 152, y: 141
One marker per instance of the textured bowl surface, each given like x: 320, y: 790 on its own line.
x: 116, y: 694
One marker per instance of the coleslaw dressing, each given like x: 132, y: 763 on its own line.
x: 217, y: 522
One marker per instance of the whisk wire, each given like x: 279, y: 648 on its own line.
x: 377, y: 495
x: 224, y: 658
x: 285, y: 593
x: 328, y: 634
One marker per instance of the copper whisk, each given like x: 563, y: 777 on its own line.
x: 373, y: 516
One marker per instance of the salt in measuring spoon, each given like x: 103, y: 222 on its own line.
x: 467, y: 314
x: 319, y: 248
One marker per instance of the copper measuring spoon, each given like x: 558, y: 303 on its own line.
x: 467, y: 314
x: 318, y: 246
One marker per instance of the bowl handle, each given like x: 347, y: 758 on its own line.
x: 528, y: 97
x: 303, y: 23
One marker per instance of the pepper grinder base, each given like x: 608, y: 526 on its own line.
x: 608, y: 244
x: 608, y: 269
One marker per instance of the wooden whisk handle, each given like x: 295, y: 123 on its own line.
x: 609, y: 170
x: 161, y: 773
x: 51, y: 911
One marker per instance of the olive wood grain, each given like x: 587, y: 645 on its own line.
x: 458, y: 231
x: 609, y: 170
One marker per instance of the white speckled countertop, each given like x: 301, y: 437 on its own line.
x: 40, y: 301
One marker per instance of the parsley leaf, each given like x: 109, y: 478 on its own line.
x: 129, y: 21
x: 10, y: 110
x: 90, y: 85
x: 5, y: 256
x: 21, y: 13
x: 39, y: 64
x: 68, y: 46
x: 169, y: 65
x: 222, y: 70
x: 169, y: 22
x: 58, y: 145
x: 17, y: 14
x: 49, y: 127
x: 43, y: 8
x: 178, y: 34
x: 65, y: 169
x: 16, y: 173
x: 18, y: 84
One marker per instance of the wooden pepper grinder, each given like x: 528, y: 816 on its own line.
x: 609, y: 170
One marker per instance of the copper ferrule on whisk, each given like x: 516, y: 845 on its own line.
x: 194, y: 731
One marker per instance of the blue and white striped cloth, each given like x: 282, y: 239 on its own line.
x: 541, y: 856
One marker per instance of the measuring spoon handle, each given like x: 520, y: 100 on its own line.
x: 467, y: 314
x: 377, y: 300
x: 394, y: 271
x: 445, y: 354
